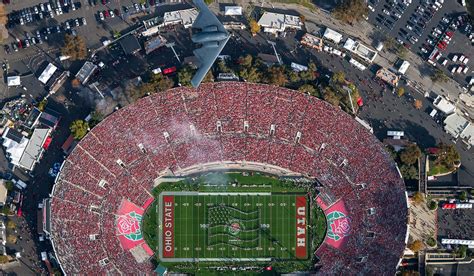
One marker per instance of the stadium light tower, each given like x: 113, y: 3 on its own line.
x: 350, y: 99
x: 171, y: 45
x: 275, y: 50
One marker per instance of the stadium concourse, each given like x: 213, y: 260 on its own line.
x: 106, y: 183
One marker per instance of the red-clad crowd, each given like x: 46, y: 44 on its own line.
x: 227, y: 121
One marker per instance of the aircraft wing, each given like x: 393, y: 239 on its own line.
x: 206, y: 17
x: 206, y: 57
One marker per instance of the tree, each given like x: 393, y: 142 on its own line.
x: 254, y: 27
x: 208, y: 2
x: 42, y: 104
x: 311, y: 74
x: 11, y: 224
x: 416, y: 246
x: 392, y: 151
x: 339, y: 77
x: 439, y: 76
x: 409, y: 172
x: 447, y: 155
x: 11, y: 239
x: 351, y: 11
x: 410, y: 154
x: 401, y: 51
x: 3, y: 259
x: 96, y: 118
x: 329, y: 95
x: 75, y: 83
x: 302, y: 18
x: 9, y: 185
x: 400, y: 91
x: 246, y: 61
x: 276, y: 76
x: 75, y: 47
x: 251, y: 75
x: 463, y: 195
x: 432, y: 205
x: 157, y: 82
x: 308, y: 89
x: 79, y: 129
x: 185, y: 75
x: 209, y: 77
x: 222, y: 66
x: 418, y: 104
x: 294, y: 77
x: 418, y: 198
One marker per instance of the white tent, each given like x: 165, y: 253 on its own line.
x: 13, y: 81
x: 233, y: 10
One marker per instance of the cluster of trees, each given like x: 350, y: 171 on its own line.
x: 75, y: 47
x: 447, y: 156
x: 351, y: 11
x: 338, y: 90
x: 407, y: 160
x: 79, y: 129
x: 409, y: 157
x: 439, y: 76
x: 155, y: 83
x: 393, y: 46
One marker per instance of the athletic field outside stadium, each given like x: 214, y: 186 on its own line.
x: 232, y: 226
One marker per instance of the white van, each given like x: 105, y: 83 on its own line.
x: 19, y: 184
x: 433, y: 113
x: 455, y: 58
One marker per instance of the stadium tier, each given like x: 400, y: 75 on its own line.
x: 106, y: 183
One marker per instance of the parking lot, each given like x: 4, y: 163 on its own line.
x: 36, y: 26
x: 422, y: 26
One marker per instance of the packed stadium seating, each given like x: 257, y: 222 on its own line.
x: 207, y: 125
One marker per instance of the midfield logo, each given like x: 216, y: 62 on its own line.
x: 339, y: 225
x: 129, y: 226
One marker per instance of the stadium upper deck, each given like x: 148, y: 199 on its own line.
x: 105, y: 183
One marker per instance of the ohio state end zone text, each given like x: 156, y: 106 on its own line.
x: 196, y: 226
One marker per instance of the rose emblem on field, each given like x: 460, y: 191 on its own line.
x: 339, y: 225
x: 129, y: 226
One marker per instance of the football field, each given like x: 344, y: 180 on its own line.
x: 196, y: 226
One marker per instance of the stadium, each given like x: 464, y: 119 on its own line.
x: 117, y: 175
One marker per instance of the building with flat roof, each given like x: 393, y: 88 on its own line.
x: 47, y: 73
x: 13, y: 81
x: 130, y: 45
x: 86, y: 72
x: 233, y: 10
x: 332, y: 35
x: 402, y: 69
x: 459, y: 127
x: 312, y: 41
x: 444, y: 105
x: 388, y: 76
x: 278, y: 22
x: 154, y: 43
x: 34, y: 150
x: 185, y: 17
x: 360, y: 49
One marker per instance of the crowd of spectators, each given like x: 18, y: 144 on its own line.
x: 228, y: 121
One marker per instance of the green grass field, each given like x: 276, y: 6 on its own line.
x: 236, y: 226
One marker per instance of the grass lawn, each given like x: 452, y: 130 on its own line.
x: 436, y: 170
